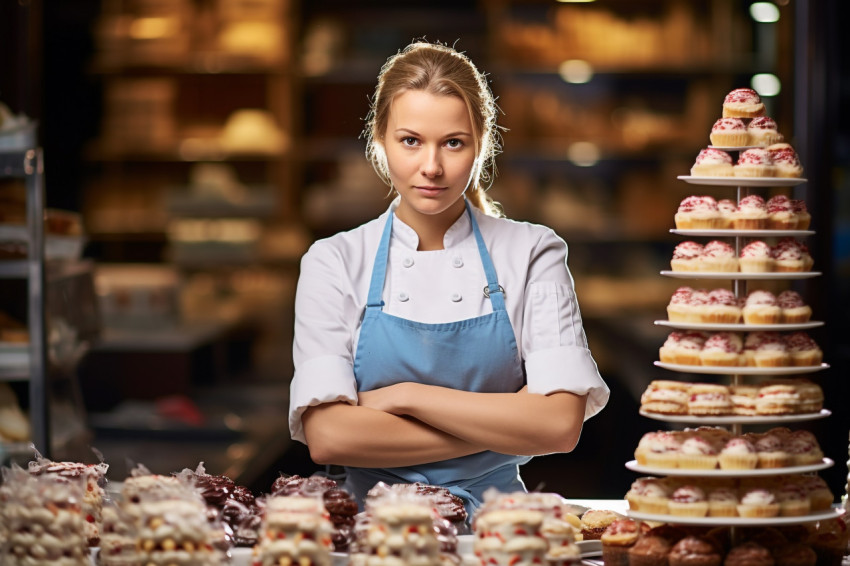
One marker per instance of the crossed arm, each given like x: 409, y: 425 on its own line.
x: 411, y: 423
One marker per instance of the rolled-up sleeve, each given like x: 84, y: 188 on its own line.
x: 326, y: 379
x: 556, y: 354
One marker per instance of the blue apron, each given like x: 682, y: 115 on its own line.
x: 477, y: 354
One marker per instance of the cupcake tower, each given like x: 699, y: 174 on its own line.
x: 735, y: 333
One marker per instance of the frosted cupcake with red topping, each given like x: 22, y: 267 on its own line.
x: 679, y: 309
x: 761, y: 307
x: 804, y: 448
x: 756, y: 258
x: 722, y: 349
x: 780, y: 213
x: 689, y: 347
x: 794, y: 308
x: 697, y: 212
x: 771, y: 351
x: 722, y: 502
x: 686, y: 256
x: 697, y: 453
x: 785, y: 160
x: 751, y: 214
x: 758, y: 503
x: 668, y: 350
x: 762, y: 131
x: 718, y: 257
x: 771, y: 452
x: 712, y: 162
x: 742, y: 103
x: 804, y: 219
x: 722, y: 307
x: 663, y: 452
x: 804, y: 351
x: 729, y: 132
x: 754, y: 162
x: 789, y: 255
x: 793, y: 501
x: 726, y: 207
x: 688, y: 501
x: 738, y: 454
x: 648, y: 495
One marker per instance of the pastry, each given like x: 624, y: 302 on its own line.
x: 686, y: 256
x: 709, y: 399
x: 694, y: 551
x: 738, y: 454
x: 697, y: 453
x: 729, y: 132
x: 780, y: 213
x: 649, y: 550
x: 742, y: 103
x: 743, y: 396
x: 754, y: 162
x: 718, y: 257
x: 690, y: 345
x: 758, y: 503
x: 820, y: 497
x: 785, y: 160
x: 668, y: 350
x: 756, y: 258
x: 771, y: 351
x: 751, y: 214
x: 722, y: 349
x: 236, y: 505
x: 778, y: 399
x: 794, y: 554
x: 761, y: 307
x: 804, y: 448
x: 679, y: 309
x: 595, y: 521
x: 617, y: 539
x: 794, y: 309
x: 771, y: 452
x: 803, y: 349
x: 662, y: 451
x: 401, y: 531
x: 722, y: 502
x: 726, y: 207
x: 712, y: 162
x: 804, y: 219
x: 811, y: 396
x: 762, y: 131
x: 790, y: 255
x: 722, y: 307
x: 688, y: 501
x: 697, y: 212
x: 665, y: 397
x: 748, y: 554
x: 649, y: 495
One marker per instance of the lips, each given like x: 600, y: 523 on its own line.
x: 430, y: 191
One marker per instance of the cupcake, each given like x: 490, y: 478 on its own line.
x: 726, y: 207
x: 748, y: 554
x: 697, y: 304
x: 771, y: 453
x: 688, y: 501
x: 780, y: 213
x: 804, y: 219
x: 811, y: 396
x: 762, y: 131
x: 738, y: 454
x: 792, y: 499
x: 743, y: 397
x: 754, y: 162
x: 803, y: 350
x: 595, y: 521
x: 648, y: 443
x: 618, y: 538
x: 679, y: 309
x: 758, y: 503
x: 780, y: 398
x: 722, y: 502
x: 709, y: 399
x: 712, y: 162
x: 785, y: 160
x: 771, y: 351
x: 648, y: 495
x: 722, y: 307
x: 761, y: 307
x: 722, y: 349
x: 729, y: 132
x: 820, y: 497
x: 751, y: 214
x: 742, y: 103
x: 789, y: 255
x: 686, y: 256
x: 697, y: 453
x: 756, y: 258
x: 694, y: 551
x: 663, y: 452
x: 689, y: 348
x: 794, y: 309
x: 649, y: 550
x: 718, y: 257
x: 697, y: 213
x: 668, y: 351
x: 803, y: 448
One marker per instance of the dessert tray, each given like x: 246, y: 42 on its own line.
x: 731, y: 233
x: 741, y: 370
x: 737, y: 419
x: 739, y: 521
x: 743, y: 181
x: 718, y: 473
x: 777, y: 275
x: 739, y: 327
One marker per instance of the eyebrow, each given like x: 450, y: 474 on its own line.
x: 449, y: 135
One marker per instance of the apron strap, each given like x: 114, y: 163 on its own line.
x: 494, y: 290
x: 379, y: 268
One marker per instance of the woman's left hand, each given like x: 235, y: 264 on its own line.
x: 389, y: 399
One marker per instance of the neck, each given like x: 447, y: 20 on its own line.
x: 431, y: 228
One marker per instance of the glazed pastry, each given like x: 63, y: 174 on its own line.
x: 729, y: 132
x: 804, y: 219
x: 688, y: 501
x: 758, y: 503
x: 697, y: 453
x: 762, y: 131
x: 718, y: 257
x: 738, y: 454
x: 686, y: 256
x: 722, y: 502
x: 751, y: 214
x: 722, y: 349
x: 709, y: 399
x: 761, y: 307
x: 722, y: 307
x: 778, y: 399
x: 785, y: 160
x: 780, y: 212
x: 694, y: 551
x: 754, y: 162
x: 756, y: 258
x: 742, y: 103
x: 712, y: 162
x: 789, y: 255
x: 803, y: 350
x: 697, y: 212
x: 726, y: 207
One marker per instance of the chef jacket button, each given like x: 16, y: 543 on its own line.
x: 456, y: 297
x: 457, y: 261
x: 407, y: 262
x: 403, y: 297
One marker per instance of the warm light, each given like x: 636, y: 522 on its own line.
x: 766, y: 84
x: 153, y: 28
x: 583, y: 154
x: 764, y: 12
x: 576, y: 71
x: 576, y: 1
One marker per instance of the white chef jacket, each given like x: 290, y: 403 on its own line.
x: 435, y: 287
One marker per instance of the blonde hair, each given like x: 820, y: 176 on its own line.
x: 439, y: 70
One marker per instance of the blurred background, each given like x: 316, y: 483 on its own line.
x: 193, y: 149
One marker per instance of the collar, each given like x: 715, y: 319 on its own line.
x: 407, y: 236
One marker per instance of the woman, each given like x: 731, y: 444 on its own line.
x: 438, y: 343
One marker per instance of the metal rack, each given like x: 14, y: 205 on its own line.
x: 29, y: 166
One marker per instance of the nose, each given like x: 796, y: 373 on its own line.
x: 431, y: 165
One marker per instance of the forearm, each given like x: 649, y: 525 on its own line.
x: 346, y: 435
x: 510, y: 423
